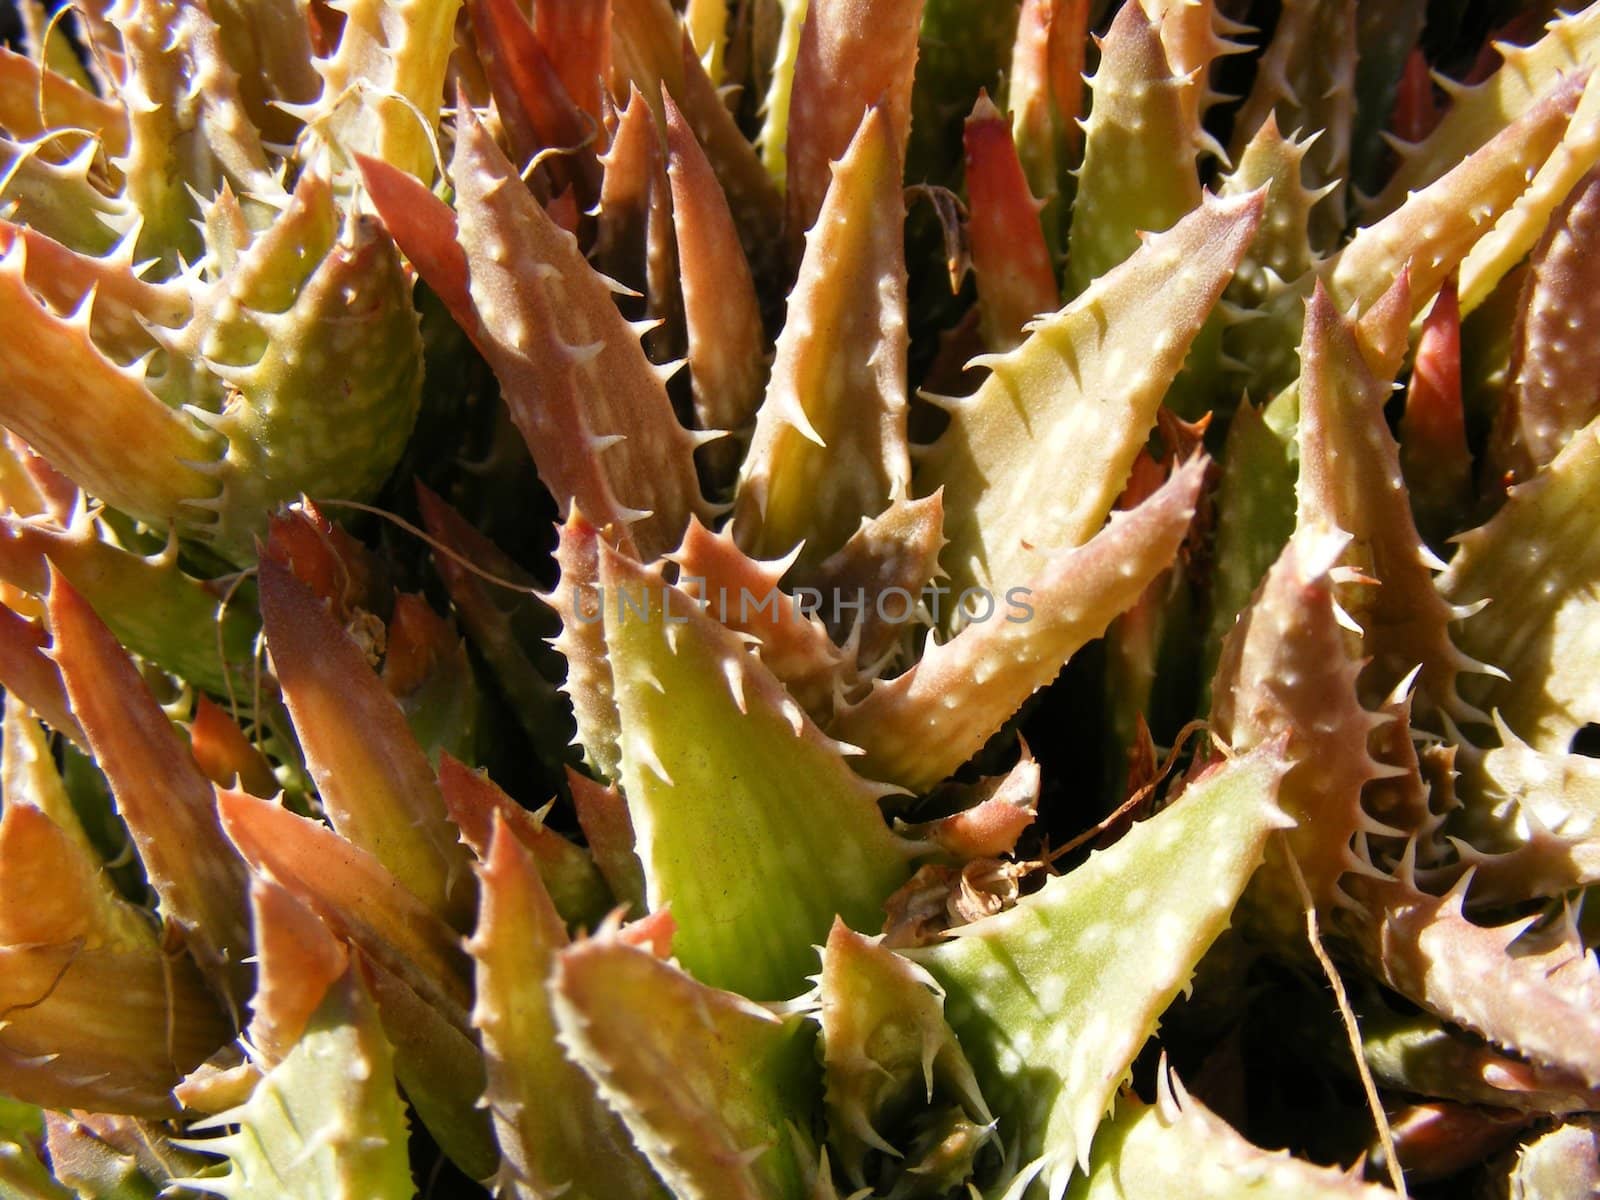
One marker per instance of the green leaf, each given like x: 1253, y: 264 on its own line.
x: 749, y: 821
x: 716, y: 1091
x: 1052, y: 999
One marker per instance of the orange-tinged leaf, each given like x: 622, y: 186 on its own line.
x: 354, y: 896
x: 854, y: 54
x: 375, y: 782
x: 64, y: 1046
x: 584, y: 1148
x: 591, y: 407
x: 167, y: 803
x: 570, y: 875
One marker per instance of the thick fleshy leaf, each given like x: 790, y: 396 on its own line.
x: 28, y: 674
x: 64, y: 1047
x: 1051, y: 1004
x: 577, y: 37
x: 854, y: 54
x: 1016, y: 278
x: 53, y: 888
x: 1537, y: 562
x: 183, y: 624
x: 383, y: 85
x: 1306, y: 80
x: 1418, y: 1053
x: 95, y: 419
x: 34, y: 98
x: 1044, y: 94
x: 1350, y: 480
x: 1282, y: 249
x: 886, y: 1046
x: 168, y: 804
x: 1539, y: 999
x: 1433, y: 436
x: 920, y: 726
x: 592, y: 409
x: 225, y: 754
x: 187, y: 128
x: 1255, y: 500
x: 651, y: 49
x: 607, y: 827
x: 110, y: 1157
x: 830, y: 438
x: 424, y: 227
x: 375, y: 783
x: 722, y: 314
x: 1478, y: 113
x: 743, y: 593
x: 326, y: 1123
x: 1287, y: 673
x: 1033, y: 462
x: 298, y: 960
x: 556, y: 1136
x: 714, y: 1089
x: 1140, y: 139
x: 634, y: 243
x: 750, y: 822
x: 312, y: 362
x: 1565, y: 1161
x: 1427, y: 237
x: 1553, y: 391
x: 354, y: 896
x: 890, y: 560
x: 533, y: 103
x: 1177, y: 1146
x: 580, y: 603
x: 569, y: 874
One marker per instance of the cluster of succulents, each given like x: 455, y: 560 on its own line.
x: 771, y: 600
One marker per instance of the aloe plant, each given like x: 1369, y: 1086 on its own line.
x: 797, y: 599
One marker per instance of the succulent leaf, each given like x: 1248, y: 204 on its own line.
x: 920, y: 726
x: 168, y: 804
x: 1533, y: 559
x: 1551, y: 394
x: 1178, y: 1145
x: 854, y: 56
x: 830, y: 438
x: 325, y: 1123
x: 1350, y: 480
x: 1064, y: 414
x: 1051, y: 1007
x: 62, y: 1047
x: 744, y: 595
x: 1306, y: 80
x: 1139, y: 145
x: 711, y: 1086
x: 754, y: 859
x: 607, y: 827
x: 556, y: 1136
x: 1016, y: 277
x: 1044, y: 94
x: 897, y: 549
x: 885, y: 1045
x: 378, y: 790
x: 722, y: 315
x: 568, y: 873
x: 383, y: 83
x: 1534, y: 999
x: 592, y: 409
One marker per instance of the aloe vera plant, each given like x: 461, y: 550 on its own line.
x: 798, y: 599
